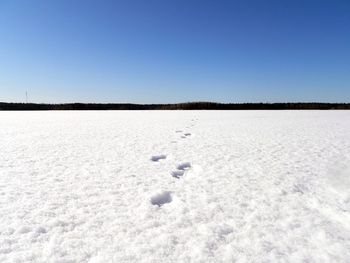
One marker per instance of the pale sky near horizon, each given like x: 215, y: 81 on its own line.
x: 160, y: 51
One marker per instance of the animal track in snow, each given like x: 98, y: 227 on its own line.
x: 187, y: 134
x: 178, y: 131
x: 156, y: 158
x: 161, y: 198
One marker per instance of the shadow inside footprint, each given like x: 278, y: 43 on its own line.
x: 161, y: 199
x: 187, y: 134
x: 156, y: 158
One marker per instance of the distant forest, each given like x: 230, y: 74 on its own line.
x: 178, y: 106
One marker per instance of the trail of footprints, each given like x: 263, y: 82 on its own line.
x: 179, y: 171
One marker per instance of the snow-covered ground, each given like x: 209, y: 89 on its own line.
x: 175, y: 186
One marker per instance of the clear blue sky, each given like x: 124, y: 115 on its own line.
x: 153, y: 51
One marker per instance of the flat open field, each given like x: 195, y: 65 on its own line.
x: 175, y: 186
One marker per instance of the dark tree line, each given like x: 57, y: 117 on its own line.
x: 177, y: 106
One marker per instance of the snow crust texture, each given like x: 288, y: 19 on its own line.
x: 175, y: 186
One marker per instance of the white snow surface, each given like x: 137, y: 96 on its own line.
x: 175, y: 186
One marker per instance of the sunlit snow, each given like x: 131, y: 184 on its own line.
x: 175, y: 186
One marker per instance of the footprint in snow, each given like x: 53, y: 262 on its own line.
x: 185, y: 135
x: 181, y: 169
x: 161, y: 198
x: 156, y: 158
x: 184, y: 166
x: 177, y: 174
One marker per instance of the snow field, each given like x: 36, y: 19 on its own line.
x: 175, y: 186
